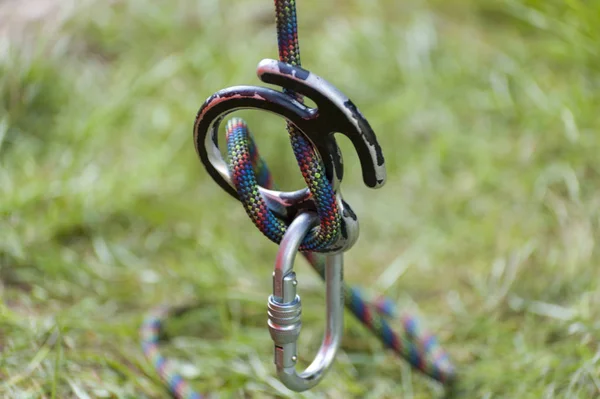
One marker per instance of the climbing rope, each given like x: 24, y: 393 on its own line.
x: 249, y: 171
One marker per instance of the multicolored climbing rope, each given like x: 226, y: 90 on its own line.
x: 245, y: 174
x: 413, y: 343
x: 150, y: 333
x: 248, y: 171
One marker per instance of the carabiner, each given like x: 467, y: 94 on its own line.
x: 285, y: 310
x: 335, y: 113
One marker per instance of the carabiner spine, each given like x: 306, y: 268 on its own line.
x: 285, y: 311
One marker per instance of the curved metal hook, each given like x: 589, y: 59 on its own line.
x: 285, y: 309
x: 335, y: 113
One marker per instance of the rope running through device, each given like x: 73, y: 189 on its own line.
x: 315, y: 221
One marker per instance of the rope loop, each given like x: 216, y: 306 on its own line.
x: 248, y: 171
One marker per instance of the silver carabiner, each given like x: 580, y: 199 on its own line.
x: 285, y: 310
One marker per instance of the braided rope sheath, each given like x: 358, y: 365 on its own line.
x: 308, y: 159
x: 416, y: 345
x: 150, y: 334
x: 249, y: 170
x: 244, y: 159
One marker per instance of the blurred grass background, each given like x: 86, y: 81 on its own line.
x: 487, y: 112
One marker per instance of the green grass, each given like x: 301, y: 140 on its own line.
x: 488, y: 113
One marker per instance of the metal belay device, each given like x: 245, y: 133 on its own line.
x: 335, y: 113
x: 285, y: 310
x: 294, y: 220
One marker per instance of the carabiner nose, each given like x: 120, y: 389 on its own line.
x: 285, y: 310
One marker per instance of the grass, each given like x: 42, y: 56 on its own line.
x: 488, y: 116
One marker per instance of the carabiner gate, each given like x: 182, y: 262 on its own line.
x: 285, y: 310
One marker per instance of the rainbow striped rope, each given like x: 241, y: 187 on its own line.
x: 248, y: 170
